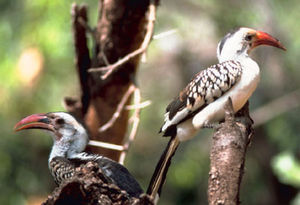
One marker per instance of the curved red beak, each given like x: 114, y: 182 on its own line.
x: 262, y: 38
x: 35, y: 121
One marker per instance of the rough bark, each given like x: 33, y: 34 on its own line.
x: 120, y: 31
x: 90, y: 186
x: 227, y: 157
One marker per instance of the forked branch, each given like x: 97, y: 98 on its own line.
x: 135, y: 119
x: 149, y: 33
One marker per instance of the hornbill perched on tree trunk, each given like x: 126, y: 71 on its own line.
x: 70, y: 139
x: 202, y: 102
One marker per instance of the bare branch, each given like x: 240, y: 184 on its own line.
x: 102, y: 54
x: 106, y: 145
x: 164, y: 34
x: 120, y: 107
x: 228, y: 157
x: 150, y: 28
x: 278, y: 106
x: 135, y: 119
x: 138, y: 106
x: 135, y: 123
x: 82, y: 57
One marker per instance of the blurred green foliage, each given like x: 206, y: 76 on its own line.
x: 41, y: 31
x: 287, y: 168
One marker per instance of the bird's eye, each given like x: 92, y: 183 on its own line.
x: 60, y: 121
x: 248, y: 37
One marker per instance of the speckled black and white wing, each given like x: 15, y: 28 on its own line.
x: 206, y: 87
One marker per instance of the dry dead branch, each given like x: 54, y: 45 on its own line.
x: 149, y: 33
x: 276, y: 107
x: 227, y: 157
x: 120, y: 107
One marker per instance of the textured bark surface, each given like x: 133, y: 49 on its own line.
x: 120, y: 31
x: 90, y: 186
x: 227, y: 157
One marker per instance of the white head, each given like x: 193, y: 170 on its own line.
x: 69, y: 136
x: 239, y: 43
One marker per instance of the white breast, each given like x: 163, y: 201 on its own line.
x: 239, y: 94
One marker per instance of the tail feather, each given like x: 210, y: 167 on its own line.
x: 160, y: 173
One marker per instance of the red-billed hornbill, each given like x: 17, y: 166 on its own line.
x: 70, y: 139
x: 202, y: 101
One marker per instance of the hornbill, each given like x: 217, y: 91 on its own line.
x: 70, y: 139
x: 201, y: 103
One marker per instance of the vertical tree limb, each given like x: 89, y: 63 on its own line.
x: 121, y: 30
x: 227, y: 157
x: 82, y: 62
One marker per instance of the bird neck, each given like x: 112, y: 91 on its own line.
x: 250, y: 67
x: 59, y: 149
x: 69, y: 145
x: 235, y: 56
x: 64, y: 149
x: 242, y: 57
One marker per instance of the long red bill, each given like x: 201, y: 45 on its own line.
x: 35, y: 121
x: 263, y: 38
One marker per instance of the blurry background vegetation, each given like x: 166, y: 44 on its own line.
x: 37, y: 71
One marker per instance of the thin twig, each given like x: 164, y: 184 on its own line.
x: 150, y: 28
x: 106, y: 145
x: 120, y: 107
x: 135, y: 119
x: 135, y: 123
x: 138, y: 106
x: 164, y: 34
x: 104, y: 57
x: 278, y: 106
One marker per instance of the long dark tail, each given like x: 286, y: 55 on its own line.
x: 159, y: 177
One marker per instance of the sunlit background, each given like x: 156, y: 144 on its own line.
x: 37, y: 71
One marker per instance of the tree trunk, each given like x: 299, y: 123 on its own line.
x: 120, y: 30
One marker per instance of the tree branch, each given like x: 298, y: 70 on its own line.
x: 90, y: 186
x: 276, y: 107
x: 82, y: 61
x: 150, y: 29
x: 135, y: 124
x: 120, y: 108
x: 228, y: 156
x: 123, y: 27
x: 135, y: 119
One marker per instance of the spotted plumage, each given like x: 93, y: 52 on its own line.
x: 61, y: 169
x: 202, y: 101
x: 206, y: 87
